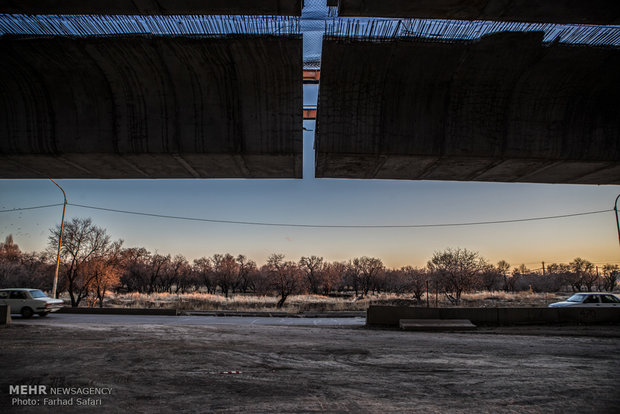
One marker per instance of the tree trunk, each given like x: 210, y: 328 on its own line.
x: 71, y: 295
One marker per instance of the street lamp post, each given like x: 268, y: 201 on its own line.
x: 62, y: 225
x: 617, y: 219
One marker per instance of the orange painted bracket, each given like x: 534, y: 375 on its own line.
x: 312, y: 76
x: 309, y: 113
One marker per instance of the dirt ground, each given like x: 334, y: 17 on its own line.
x: 299, y: 369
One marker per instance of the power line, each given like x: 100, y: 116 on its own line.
x: 30, y: 208
x: 370, y: 226
x: 254, y: 223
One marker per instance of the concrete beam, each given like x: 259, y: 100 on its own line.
x: 311, y: 76
x: 154, y: 7
x: 606, y: 12
x: 503, y: 108
x: 151, y: 107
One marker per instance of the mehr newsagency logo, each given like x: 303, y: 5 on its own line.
x: 43, y: 395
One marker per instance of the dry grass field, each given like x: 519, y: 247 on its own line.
x: 318, y: 303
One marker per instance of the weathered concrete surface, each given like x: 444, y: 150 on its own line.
x: 504, y: 108
x: 153, y: 7
x: 392, y: 315
x: 436, y: 325
x: 541, y: 11
x: 151, y: 107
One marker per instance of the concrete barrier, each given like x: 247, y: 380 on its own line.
x: 268, y: 314
x: 478, y: 316
x: 589, y: 315
x: 5, y: 315
x: 391, y: 315
x: 120, y: 311
x: 436, y: 325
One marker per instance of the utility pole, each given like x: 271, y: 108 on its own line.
x: 543, y: 264
x: 617, y: 219
x: 62, y: 225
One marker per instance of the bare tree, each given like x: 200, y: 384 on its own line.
x: 611, y: 274
x: 9, y: 251
x: 386, y: 281
x: 21, y: 269
x: 313, y: 268
x: 560, y: 274
x: 416, y: 281
x: 352, y: 278
x: 166, y: 273
x: 226, y: 270
x: 179, y: 274
x: 187, y: 281
x: 204, y: 272
x: 156, y: 266
x: 519, y: 280
x: 333, y: 276
x: 82, y: 243
x: 492, y: 279
x: 584, y: 274
x: 285, y: 277
x: 11, y: 269
x: 106, y: 270
x: 458, y: 270
x: 367, y: 269
x: 521, y: 269
x: 262, y: 281
x: 134, y: 269
x: 247, y: 272
x: 393, y: 280
x: 503, y: 267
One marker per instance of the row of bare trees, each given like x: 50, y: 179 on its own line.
x: 92, y: 264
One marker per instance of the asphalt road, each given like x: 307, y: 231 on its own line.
x: 198, y: 364
x: 65, y: 319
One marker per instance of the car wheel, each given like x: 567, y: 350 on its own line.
x: 27, y: 312
x: 43, y: 314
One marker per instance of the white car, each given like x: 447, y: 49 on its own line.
x: 27, y: 302
x: 589, y: 300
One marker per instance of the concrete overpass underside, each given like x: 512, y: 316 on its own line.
x: 537, y: 11
x: 504, y: 108
x: 151, y: 107
x: 154, y: 7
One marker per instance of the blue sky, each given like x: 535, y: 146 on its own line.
x: 327, y: 202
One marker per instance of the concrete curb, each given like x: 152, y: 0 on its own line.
x: 120, y: 311
x: 436, y: 325
x: 176, y: 312
x: 267, y: 314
